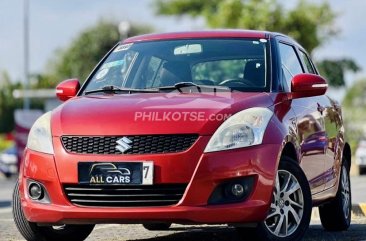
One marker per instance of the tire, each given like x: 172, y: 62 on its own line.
x: 336, y: 215
x: 157, y: 226
x: 291, y: 201
x: 32, y: 232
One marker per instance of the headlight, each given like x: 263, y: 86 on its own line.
x: 245, y: 128
x: 40, y: 138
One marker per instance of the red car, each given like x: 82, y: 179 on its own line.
x: 195, y: 127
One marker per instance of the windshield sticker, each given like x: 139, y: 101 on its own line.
x: 123, y: 47
x: 101, y: 74
x: 112, y: 64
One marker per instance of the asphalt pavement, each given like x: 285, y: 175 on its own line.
x: 358, y: 184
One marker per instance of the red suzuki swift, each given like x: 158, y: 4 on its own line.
x: 214, y: 127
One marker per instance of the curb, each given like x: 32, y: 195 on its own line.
x: 358, y: 210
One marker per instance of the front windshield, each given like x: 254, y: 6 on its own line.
x: 235, y: 63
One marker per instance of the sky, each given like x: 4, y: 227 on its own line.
x: 54, y: 24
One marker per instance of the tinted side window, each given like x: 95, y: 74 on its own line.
x: 308, y: 66
x: 290, y: 63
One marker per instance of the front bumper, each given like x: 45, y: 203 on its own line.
x: 210, y: 169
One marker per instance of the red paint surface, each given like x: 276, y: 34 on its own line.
x: 296, y: 122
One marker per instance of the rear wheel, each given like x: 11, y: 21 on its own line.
x: 157, y: 226
x: 290, y: 210
x: 32, y: 232
x: 336, y: 215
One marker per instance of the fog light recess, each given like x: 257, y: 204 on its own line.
x: 237, y: 190
x: 37, y: 192
x: 232, y: 191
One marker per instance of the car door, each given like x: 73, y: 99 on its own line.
x: 332, y: 122
x: 330, y: 111
x: 311, y: 134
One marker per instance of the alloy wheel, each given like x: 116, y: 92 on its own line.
x: 346, y: 196
x: 287, y: 205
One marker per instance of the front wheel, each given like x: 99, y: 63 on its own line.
x: 32, y: 232
x: 290, y: 209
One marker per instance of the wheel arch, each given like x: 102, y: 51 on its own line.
x: 289, y: 150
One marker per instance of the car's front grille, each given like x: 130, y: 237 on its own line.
x: 144, y: 144
x: 125, y: 196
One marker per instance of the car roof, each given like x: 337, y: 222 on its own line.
x: 233, y: 33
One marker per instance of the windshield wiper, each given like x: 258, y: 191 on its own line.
x: 180, y: 85
x: 115, y: 89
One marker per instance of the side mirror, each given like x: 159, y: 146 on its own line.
x: 67, y: 89
x: 307, y: 85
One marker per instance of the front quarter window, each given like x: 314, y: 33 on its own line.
x: 308, y: 66
x: 291, y: 65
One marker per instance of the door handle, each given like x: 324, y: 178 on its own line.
x: 320, y: 108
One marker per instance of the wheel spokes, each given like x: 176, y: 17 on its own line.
x: 286, y: 223
x: 275, y: 213
x: 345, y: 192
x: 287, y: 182
x: 295, y: 215
x: 294, y: 188
x: 277, y: 186
x: 287, y: 206
x: 296, y: 204
x: 279, y: 225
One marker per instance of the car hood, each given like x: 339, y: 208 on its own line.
x: 151, y: 113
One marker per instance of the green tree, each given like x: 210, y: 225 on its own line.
x: 84, y: 52
x: 334, y: 70
x: 353, y: 104
x: 7, y: 103
x: 310, y: 24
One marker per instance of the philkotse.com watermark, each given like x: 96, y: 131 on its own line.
x: 179, y: 116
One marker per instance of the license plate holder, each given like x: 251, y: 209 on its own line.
x: 116, y: 173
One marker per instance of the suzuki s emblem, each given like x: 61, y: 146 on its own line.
x: 123, y: 144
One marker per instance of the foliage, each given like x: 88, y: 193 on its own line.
x: 309, y: 23
x: 7, y: 103
x: 356, y: 96
x: 82, y: 55
x: 334, y: 70
x: 353, y: 104
x: 353, y: 137
x: 77, y: 60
